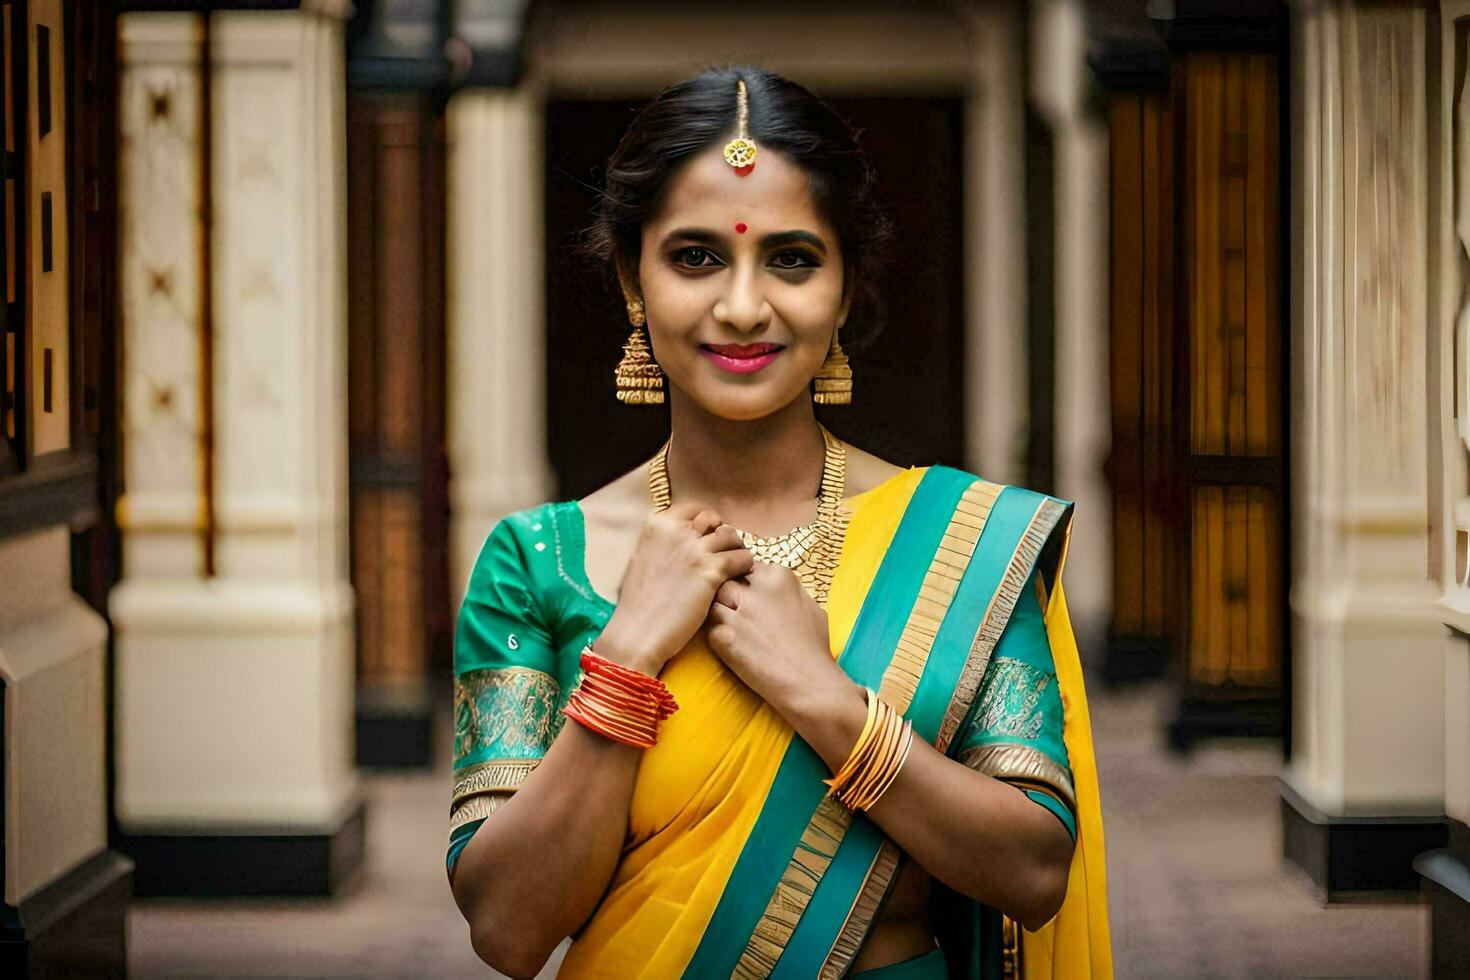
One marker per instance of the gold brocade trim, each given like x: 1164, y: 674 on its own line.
x: 1011, y: 700
x: 937, y: 592
x: 1043, y: 522
x: 1023, y: 763
x: 475, y: 808
x: 864, y: 909
x: 490, y: 776
x: 829, y: 824
x: 793, y: 893
x: 511, y: 711
x: 1010, y: 949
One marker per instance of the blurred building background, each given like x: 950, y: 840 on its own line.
x: 293, y: 314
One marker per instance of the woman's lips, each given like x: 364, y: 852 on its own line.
x: 740, y: 358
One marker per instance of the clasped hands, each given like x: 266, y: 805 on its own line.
x: 773, y: 635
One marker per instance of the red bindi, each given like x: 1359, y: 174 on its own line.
x: 740, y: 227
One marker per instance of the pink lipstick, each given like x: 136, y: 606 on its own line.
x: 740, y: 358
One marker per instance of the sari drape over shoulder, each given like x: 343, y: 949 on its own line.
x: 946, y: 598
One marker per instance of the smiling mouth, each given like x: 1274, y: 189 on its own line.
x: 741, y: 350
x: 740, y: 358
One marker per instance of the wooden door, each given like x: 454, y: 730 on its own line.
x: 1147, y: 628
x: 396, y: 419
x: 1198, y: 347
x: 1233, y: 349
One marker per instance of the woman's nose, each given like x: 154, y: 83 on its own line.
x: 743, y: 305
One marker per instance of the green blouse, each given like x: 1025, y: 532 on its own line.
x: 529, y: 609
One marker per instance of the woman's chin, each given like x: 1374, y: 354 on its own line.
x: 745, y: 405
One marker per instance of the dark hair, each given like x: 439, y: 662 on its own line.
x: 700, y: 112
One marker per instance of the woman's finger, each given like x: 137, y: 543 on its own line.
x: 728, y: 595
x: 723, y: 538
x: 706, y: 521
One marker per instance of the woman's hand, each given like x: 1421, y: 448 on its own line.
x: 773, y: 636
x: 683, y: 554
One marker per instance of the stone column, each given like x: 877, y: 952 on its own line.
x: 1364, y: 790
x: 1060, y: 77
x: 995, y: 247
x: 234, y: 689
x: 496, y: 344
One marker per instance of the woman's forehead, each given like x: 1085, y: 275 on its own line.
x: 708, y: 192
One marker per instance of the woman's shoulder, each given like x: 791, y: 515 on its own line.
x: 525, y: 544
x: 866, y: 471
x: 1017, y: 490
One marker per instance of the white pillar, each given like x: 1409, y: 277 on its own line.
x: 496, y: 318
x: 234, y: 693
x: 1368, y: 647
x: 1083, y: 411
x: 996, y: 389
x: 52, y: 665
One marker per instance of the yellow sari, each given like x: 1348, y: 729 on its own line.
x: 709, y: 883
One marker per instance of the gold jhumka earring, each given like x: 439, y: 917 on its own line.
x: 833, y: 382
x: 640, y: 381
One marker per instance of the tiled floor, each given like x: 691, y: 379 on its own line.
x: 1195, y: 880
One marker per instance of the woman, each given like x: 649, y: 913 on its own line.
x: 879, y: 762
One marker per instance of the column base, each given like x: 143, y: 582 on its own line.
x: 1446, y: 886
x: 74, y: 927
x: 395, y: 729
x: 214, y: 865
x: 1133, y: 659
x: 1348, y: 856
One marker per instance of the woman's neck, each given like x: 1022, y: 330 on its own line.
x: 757, y: 467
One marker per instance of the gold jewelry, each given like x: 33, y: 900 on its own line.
x: 635, y: 312
x: 876, y: 758
x: 640, y: 381
x: 833, y: 382
x: 740, y: 151
x: 809, y: 550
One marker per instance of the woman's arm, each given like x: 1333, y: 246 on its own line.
x: 536, y: 868
x: 980, y: 836
x: 534, y: 871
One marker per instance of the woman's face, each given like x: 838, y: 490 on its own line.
x: 732, y: 262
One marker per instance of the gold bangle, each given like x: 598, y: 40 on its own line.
x: 892, y: 770
x: 873, y: 752
x: 882, y: 752
x: 837, y: 784
x: 876, y: 758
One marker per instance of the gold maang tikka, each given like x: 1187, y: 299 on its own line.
x: 740, y: 151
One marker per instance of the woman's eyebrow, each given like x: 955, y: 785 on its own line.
x: 778, y: 238
x: 775, y: 239
x: 701, y: 235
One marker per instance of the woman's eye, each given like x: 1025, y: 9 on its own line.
x: 694, y: 257
x: 792, y: 260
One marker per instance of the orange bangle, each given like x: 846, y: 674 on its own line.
x: 618, y: 702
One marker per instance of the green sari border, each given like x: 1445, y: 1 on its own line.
x: 1047, y: 514
x: 797, y: 790
x: 826, y: 935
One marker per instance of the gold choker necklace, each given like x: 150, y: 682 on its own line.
x: 811, y: 549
